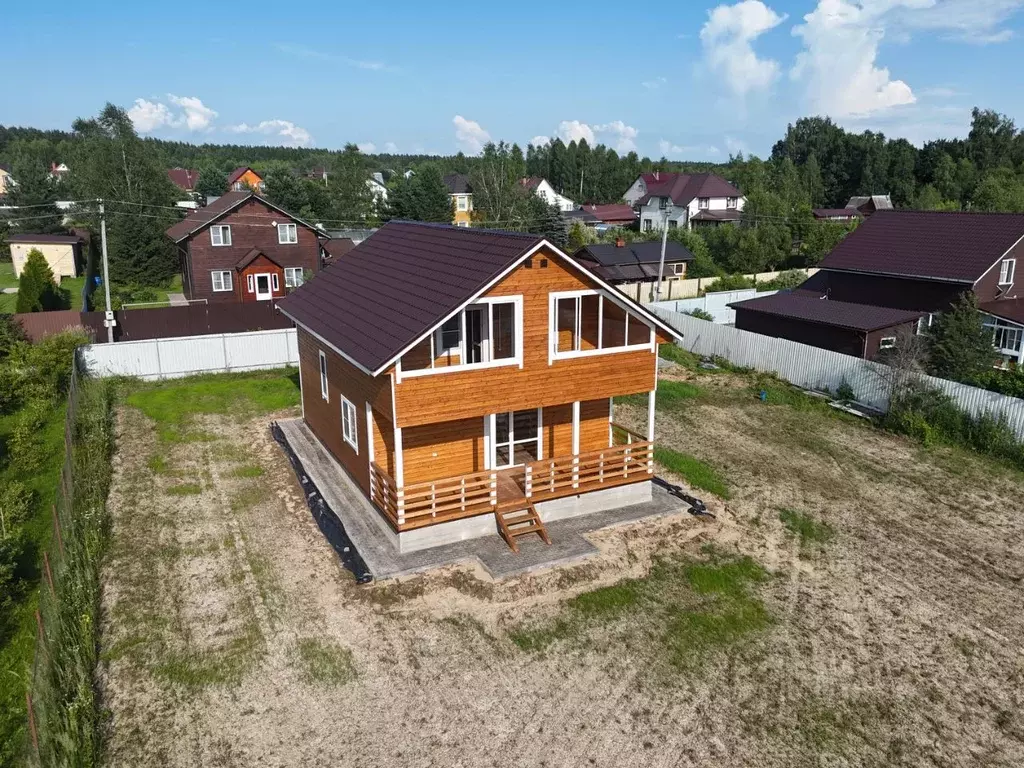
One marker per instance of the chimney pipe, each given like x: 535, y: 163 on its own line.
x: 620, y: 243
x: 656, y: 175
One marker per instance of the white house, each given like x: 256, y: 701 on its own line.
x: 378, y: 190
x: 543, y: 189
x: 685, y: 199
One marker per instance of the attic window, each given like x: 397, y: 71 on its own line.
x: 1006, y: 270
x: 543, y: 263
x: 529, y: 263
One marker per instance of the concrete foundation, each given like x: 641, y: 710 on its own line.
x: 594, y: 501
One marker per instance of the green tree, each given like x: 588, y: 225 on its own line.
x: 498, y: 197
x: 1000, y: 191
x: 990, y: 143
x: 813, y: 185
x: 821, y: 238
x: 547, y: 221
x: 421, y: 197
x: 34, y: 186
x: 351, y: 200
x: 37, y: 291
x: 702, y: 265
x: 930, y: 199
x: 959, y: 345
x: 212, y: 182
x: 111, y: 162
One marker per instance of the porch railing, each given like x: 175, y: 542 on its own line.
x: 567, y: 475
x: 418, y: 504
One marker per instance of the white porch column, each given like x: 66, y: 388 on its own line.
x: 650, y: 415
x: 399, y: 476
x: 576, y: 427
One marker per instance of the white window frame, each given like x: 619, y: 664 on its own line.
x: 1007, y: 270
x: 631, y: 316
x: 325, y: 391
x: 349, y: 423
x: 293, y: 277
x: 679, y: 268
x: 491, y: 438
x: 226, y: 283
x: 275, y: 284
x: 221, y: 230
x: 732, y: 202
x: 704, y: 203
x: 461, y: 203
x: 886, y: 342
x: 435, y: 340
x: 462, y: 224
x: 250, y: 283
x: 287, y: 234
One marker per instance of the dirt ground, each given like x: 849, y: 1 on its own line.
x: 232, y: 637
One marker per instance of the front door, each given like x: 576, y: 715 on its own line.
x: 263, y: 290
x: 515, y: 438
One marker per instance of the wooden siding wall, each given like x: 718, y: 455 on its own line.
x: 593, y: 425
x: 324, y: 416
x: 464, y: 394
x: 558, y: 430
x: 445, y: 449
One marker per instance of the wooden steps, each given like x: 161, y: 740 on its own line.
x: 520, y: 520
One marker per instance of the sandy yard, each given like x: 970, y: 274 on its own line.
x: 890, y: 633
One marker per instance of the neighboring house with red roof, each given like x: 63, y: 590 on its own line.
x: 243, y: 178
x: 542, y: 188
x: 184, y: 179
x: 921, y: 261
x: 604, y: 216
x: 683, y: 199
x: 242, y: 247
x: 461, y: 383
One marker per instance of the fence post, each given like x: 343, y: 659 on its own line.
x: 56, y: 527
x: 576, y: 471
x: 528, y: 482
x: 49, y: 574
x: 32, y: 724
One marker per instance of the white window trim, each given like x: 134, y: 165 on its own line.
x: 226, y: 284
x: 221, y: 229
x: 275, y: 284
x: 250, y: 283
x: 461, y: 203
x: 348, y: 408
x: 554, y: 354
x: 1007, y: 271
x: 295, y: 272
x: 887, y: 342
x: 282, y: 234
x: 491, y: 444
x: 679, y: 268
x: 516, y: 359
x: 325, y: 391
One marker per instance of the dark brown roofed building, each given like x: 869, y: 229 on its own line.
x: 450, y: 375
x: 622, y: 262
x: 184, y: 178
x: 677, y: 198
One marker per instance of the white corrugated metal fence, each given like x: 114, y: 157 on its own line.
x: 822, y: 369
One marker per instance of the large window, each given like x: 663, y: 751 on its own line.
x: 349, y: 431
x: 732, y: 202
x: 462, y: 203
x: 292, y: 277
x: 221, y: 280
x: 220, y: 234
x: 287, y: 234
x: 588, y: 322
x: 704, y: 203
x: 516, y: 438
x: 486, y: 333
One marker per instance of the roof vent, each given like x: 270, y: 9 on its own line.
x: 620, y: 243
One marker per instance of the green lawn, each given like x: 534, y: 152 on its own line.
x: 7, y: 278
x: 74, y: 285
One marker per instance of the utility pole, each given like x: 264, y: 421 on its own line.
x: 108, y: 317
x: 664, y: 242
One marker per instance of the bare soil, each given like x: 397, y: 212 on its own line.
x: 233, y: 637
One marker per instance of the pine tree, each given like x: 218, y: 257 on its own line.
x: 547, y: 221
x: 432, y: 201
x: 37, y: 291
x: 959, y: 345
x: 34, y: 187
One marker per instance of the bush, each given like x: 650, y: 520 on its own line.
x: 132, y: 294
x: 730, y: 283
x: 25, y: 445
x: 701, y: 314
x: 845, y: 392
x: 791, y: 278
x: 40, y: 371
x: 1004, y: 382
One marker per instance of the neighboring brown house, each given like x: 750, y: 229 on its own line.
x: 464, y: 381
x: 184, y: 179
x: 923, y: 261
x: 243, y: 248
x: 612, y: 215
x: 860, y: 330
x: 337, y: 247
x: 622, y: 262
x: 837, y: 214
x: 243, y: 178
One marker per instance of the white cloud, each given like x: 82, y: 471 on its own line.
x: 668, y: 149
x: 292, y: 134
x: 367, y: 147
x: 390, y: 147
x: 728, y: 37
x: 735, y: 146
x: 470, y: 135
x: 305, y: 52
x: 540, y: 141
x: 625, y: 135
x: 838, y: 65
x: 972, y: 21
x: 574, y: 130
x: 147, y: 116
x: 197, y: 116
x: 654, y: 84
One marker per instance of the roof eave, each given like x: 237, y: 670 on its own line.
x: 825, y: 268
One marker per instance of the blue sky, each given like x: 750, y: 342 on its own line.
x: 693, y: 80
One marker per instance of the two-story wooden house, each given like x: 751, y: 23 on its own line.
x: 465, y: 378
x: 242, y: 247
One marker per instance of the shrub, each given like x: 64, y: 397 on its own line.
x: 791, y: 278
x: 845, y: 392
x: 43, y: 370
x: 129, y: 293
x: 37, y: 291
x: 25, y: 443
x: 1004, y: 382
x: 730, y: 283
x: 701, y: 314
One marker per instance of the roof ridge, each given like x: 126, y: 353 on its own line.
x: 477, y: 230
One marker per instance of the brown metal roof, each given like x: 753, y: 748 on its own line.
x: 251, y: 256
x: 1008, y: 309
x: 933, y: 245
x: 395, y: 286
x: 729, y: 214
x: 239, y: 172
x: 684, y: 187
x: 28, y: 237
x: 842, y: 314
x: 611, y: 212
x: 458, y: 184
x: 222, y: 206
x: 185, y: 178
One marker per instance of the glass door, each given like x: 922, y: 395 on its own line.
x: 476, y: 334
x: 516, y: 438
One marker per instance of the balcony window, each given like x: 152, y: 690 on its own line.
x: 516, y: 438
x: 1006, y: 270
x: 588, y: 322
x: 488, y: 333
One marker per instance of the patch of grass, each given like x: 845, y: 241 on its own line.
x: 696, y: 473
x: 158, y: 464
x: 250, y: 470
x: 693, y: 362
x: 809, y: 530
x: 247, y: 498
x: 688, y: 609
x: 184, y: 489
x: 323, y: 662
x: 173, y: 404
x: 7, y: 278
x: 672, y: 394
